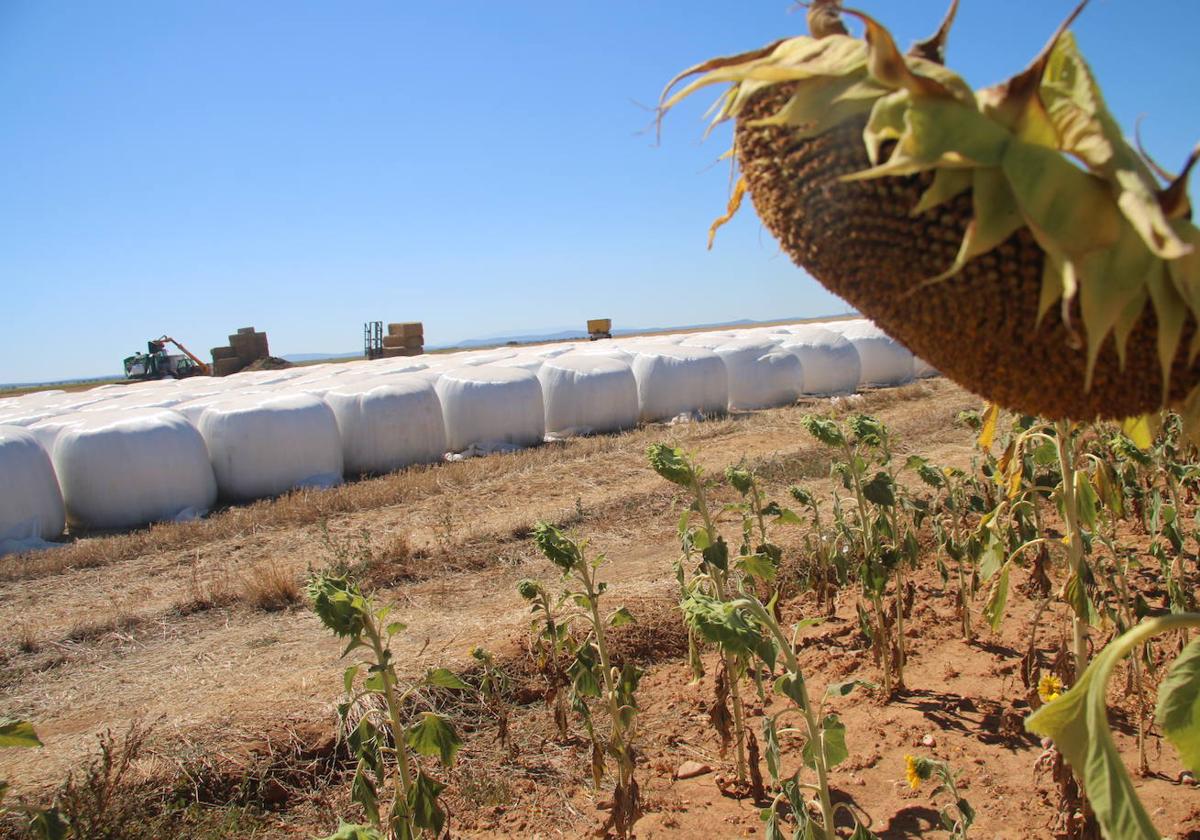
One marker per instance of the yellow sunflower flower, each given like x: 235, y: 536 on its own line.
x: 911, y: 772
x: 1050, y: 688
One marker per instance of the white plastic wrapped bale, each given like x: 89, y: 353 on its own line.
x: 131, y: 468
x: 264, y: 446
x: 47, y: 429
x: 392, y: 367
x: 831, y: 364
x: 193, y: 409
x: 588, y: 394
x: 884, y: 361
x: 709, y: 341
x: 31, y: 505
x: 524, y: 361
x: 490, y: 408
x: 923, y: 370
x: 676, y: 380
x: 608, y: 349
x: 554, y: 350
x: 760, y: 374
x: 490, y: 357
x: 157, y: 399
x: 388, y: 426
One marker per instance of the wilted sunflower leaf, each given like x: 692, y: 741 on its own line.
x: 1139, y: 432
x: 620, y: 617
x: 1078, y: 723
x: 996, y: 218
x: 735, y: 204
x: 725, y: 624
x: 886, y: 123
x: 670, y: 463
x: 997, y: 600
x: 1185, y: 271
x: 1109, y: 280
x: 826, y: 431
x: 757, y: 566
x: 1088, y: 131
x: 947, y: 184
x: 933, y: 48
x: 880, y: 490
x: 1178, y: 712
x: 17, y: 733
x: 834, y: 732
x: 987, y: 429
x: 432, y: 736
x: 355, y: 832
x: 559, y: 549
x: 819, y: 104
x: 422, y: 803
x: 885, y: 62
x: 1171, y: 312
x: 445, y: 678
x: 1068, y: 210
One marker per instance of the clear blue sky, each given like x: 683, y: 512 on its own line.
x: 193, y: 166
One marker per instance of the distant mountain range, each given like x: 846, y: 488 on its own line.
x: 563, y: 334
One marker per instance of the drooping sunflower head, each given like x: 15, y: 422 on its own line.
x: 1039, y: 156
x: 917, y: 770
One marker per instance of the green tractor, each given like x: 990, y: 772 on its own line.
x: 156, y: 363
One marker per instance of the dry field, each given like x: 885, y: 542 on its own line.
x: 193, y: 646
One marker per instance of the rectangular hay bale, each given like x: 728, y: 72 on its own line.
x: 408, y: 329
x: 225, y: 367
x: 246, y: 347
x: 402, y: 341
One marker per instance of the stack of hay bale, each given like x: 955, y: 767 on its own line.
x: 407, y: 339
x: 245, y: 347
x: 599, y: 328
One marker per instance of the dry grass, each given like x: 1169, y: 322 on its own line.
x: 269, y: 587
x: 209, y: 586
x: 118, y: 623
x: 141, y: 786
x: 27, y: 637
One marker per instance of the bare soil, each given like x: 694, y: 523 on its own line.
x: 168, y: 627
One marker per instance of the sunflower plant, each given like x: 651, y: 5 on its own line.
x: 713, y: 576
x: 1077, y: 721
x: 548, y: 638
x: 720, y: 606
x: 958, y: 816
x: 594, y: 675
x: 884, y: 521
x: 388, y: 751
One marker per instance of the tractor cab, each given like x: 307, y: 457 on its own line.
x: 156, y: 363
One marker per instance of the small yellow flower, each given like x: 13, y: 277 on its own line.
x: 911, y: 773
x: 1050, y: 688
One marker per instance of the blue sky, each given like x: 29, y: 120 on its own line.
x: 193, y: 166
